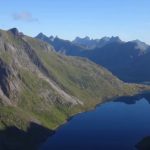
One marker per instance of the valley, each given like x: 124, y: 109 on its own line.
x: 42, y: 87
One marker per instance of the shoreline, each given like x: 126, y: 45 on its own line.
x: 115, y: 98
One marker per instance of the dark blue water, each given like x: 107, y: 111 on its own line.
x: 111, y: 126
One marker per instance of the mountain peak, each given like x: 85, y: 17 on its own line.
x: 41, y: 35
x: 15, y: 31
x: 52, y: 38
x: 138, y: 41
x: 140, y: 45
x: 115, y: 39
x: 86, y: 38
x: 105, y: 38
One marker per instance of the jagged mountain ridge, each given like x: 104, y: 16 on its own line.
x: 61, y: 46
x: 93, y: 43
x: 127, y: 60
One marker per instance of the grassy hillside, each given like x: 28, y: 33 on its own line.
x: 80, y: 77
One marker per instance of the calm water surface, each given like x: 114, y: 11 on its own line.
x: 117, y: 125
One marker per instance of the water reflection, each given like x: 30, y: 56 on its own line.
x: 133, y: 99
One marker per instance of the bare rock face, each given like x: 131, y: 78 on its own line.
x: 4, y: 75
x: 15, y: 32
x: 8, y: 83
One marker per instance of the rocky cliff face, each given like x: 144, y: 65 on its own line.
x: 8, y: 84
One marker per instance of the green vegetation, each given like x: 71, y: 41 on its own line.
x: 13, y: 116
x: 32, y: 101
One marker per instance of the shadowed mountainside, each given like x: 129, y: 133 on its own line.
x: 13, y: 138
x: 129, y: 61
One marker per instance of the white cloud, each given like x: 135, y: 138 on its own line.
x: 24, y: 16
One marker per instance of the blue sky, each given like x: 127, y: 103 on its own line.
x: 129, y: 19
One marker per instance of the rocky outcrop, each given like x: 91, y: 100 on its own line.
x: 15, y: 32
x: 5, y: 73
x: 8, y: 83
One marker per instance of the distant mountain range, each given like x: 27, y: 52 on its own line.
x: 95, y: 43
x: 62, y: 46
x: 127, y: 60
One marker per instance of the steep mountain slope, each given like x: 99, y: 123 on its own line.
x: 127, y: 60
x: 62, y: 46
x: 42, y: 86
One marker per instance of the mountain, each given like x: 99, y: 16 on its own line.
x: 43, y: 37
x: 85, y: 42
x: 78, y: 45
x: 42, y: 87
x: 126, y: 60
x: 93, y: 43
x: 62, y: 46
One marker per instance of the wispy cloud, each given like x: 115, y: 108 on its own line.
x: 24, y: 16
